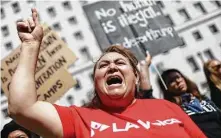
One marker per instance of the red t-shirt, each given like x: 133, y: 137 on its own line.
x: 146, y: 118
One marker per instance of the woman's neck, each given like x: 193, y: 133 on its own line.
x: 117, y: 106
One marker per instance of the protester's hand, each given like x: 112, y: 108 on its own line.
x: 30, y: 30
x: 148, y: 58
x: 144, y: 64
x: 144, y: 73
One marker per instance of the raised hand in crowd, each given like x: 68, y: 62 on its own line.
x: 145, y: 89
x: 30, y: 30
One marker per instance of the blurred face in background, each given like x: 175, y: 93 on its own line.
x: 176, y: 83
x: 215, y: 65
x: 17, y: 134
x: 115, y: 80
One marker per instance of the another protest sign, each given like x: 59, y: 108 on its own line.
x: 138, y: 25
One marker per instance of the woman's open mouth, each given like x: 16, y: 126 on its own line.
x: 114, y: 80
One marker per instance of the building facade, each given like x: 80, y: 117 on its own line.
x: 198, y: 23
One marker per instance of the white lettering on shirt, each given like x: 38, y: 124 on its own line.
x: 145, y: 124
x: 95, y: 125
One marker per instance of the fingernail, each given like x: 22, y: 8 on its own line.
x: 147, y: 52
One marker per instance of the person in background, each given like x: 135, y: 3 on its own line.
x: 212, y: 70
x: 13, y: 130
x: 185, y: 93
x: 114, y: 112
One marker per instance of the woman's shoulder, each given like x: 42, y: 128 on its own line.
x: 74, y: 110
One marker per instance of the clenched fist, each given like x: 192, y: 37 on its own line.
x: 30, y: 31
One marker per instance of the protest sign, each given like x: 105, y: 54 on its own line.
x: 52, y: 78
x: 138, y: 25
x: 53, y: 81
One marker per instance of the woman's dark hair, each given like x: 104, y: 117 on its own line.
x: 191, y: 87
x: 214, y: 82
x: 126, y: 53
x: 12, y: 126
x: 211, y: 76
x: 207, y: 74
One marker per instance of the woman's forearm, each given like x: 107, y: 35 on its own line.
x: 144, y: 72
x: 145, y: 78
x: 22, y: 93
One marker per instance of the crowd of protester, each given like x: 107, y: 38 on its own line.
x: 123, y: 104
x: 185, y: 93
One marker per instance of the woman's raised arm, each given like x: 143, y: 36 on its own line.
x: 40, y: 117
